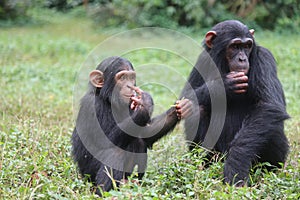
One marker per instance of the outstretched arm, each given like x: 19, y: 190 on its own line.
x: 140, y: 125
x: 164, y: 123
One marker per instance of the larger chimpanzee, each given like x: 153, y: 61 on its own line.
x: 114, y: 126
x: 255, y: 109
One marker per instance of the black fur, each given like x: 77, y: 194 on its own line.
x: 114, y: 140
x: 254, y: 125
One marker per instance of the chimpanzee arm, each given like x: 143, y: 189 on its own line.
x: 160, y: 126
x: 133, y: 126
x: 156, y: 127
x: 153, y: 131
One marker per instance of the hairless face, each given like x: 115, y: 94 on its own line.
x: 125, y: 80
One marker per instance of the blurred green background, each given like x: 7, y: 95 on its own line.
x: 279, y: 15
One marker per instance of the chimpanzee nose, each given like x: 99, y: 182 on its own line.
x: 242, y: 59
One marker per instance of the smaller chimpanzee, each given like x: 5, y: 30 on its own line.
x: 237, y: 79
x: 114, y: 126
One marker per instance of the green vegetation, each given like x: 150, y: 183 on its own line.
x: 39, y: 67
x: 196, y: 15
x: 276, y: 15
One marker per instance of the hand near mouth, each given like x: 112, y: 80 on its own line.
x: 137, y: 99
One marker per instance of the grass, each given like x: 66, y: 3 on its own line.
x: 40, y: 66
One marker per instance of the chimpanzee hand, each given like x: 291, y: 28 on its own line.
x: 236, y: 82
x: 137, y: 100
x: 142, y: 105
x: 184, y: 108
x: 141, y: 100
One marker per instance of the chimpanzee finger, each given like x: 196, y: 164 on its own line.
x: 241, y: 79
x: 184, y: 104
x: 136, y: 100
x: 235, y: 74
x: 181, y: 103
x: 178, y: 113
x: 186, y: 113
x: 133, y: 105
x: 136, y: 89
x: 240, y: 91
x: 183, y: 108
x: 240, y: 86
x: 187, y: 109
x: 139, y: 91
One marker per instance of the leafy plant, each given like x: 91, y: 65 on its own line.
x: 39, y: 66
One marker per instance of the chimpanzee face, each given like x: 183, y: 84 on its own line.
x: 125, y: 80
x: 120, y: 85
x: 237, y: 54
x: 233, y: 38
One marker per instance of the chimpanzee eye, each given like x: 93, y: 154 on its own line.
x: 234, y: 46
x: 248, y: 45
x: 122, y: 78
x: 132, y: 77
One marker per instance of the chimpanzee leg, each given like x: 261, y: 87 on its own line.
x: 237, y: 166
x: 275, y: 151
x: 244, y: 153
x: 245, y: 149
x: 260, y: 138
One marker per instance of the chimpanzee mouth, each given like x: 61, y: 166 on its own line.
x: 240, y: 69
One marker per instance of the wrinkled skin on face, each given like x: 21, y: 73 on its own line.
x: 237, y: 54
x: 125, y: 81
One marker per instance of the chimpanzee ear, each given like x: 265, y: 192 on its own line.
x: 252, y: 31
x: 210, y: 35
x: 97, y: 78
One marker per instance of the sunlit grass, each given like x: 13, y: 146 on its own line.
x: 39, y: 66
